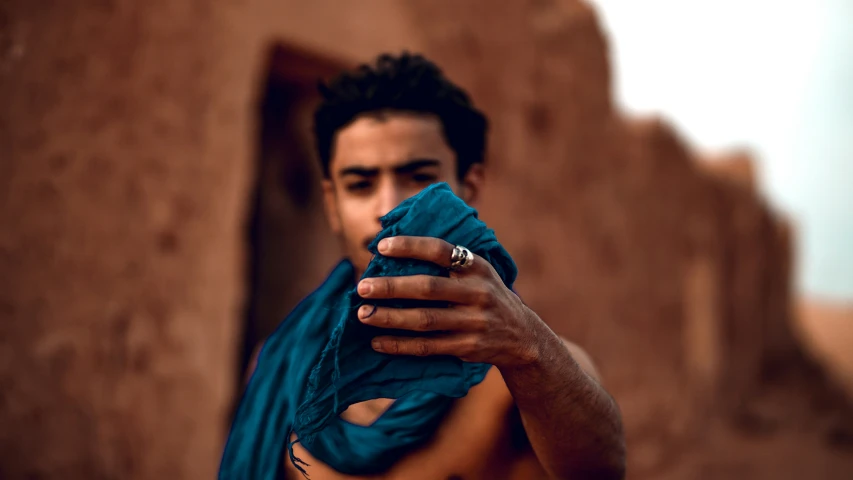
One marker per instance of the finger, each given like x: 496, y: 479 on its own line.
x: 458, y: 345
x: 421, y: 287
x: 429, y: 249
x: 420, y: 319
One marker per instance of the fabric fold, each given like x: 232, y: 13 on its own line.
x: 322, y: 341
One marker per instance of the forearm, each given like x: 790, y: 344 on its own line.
x: 572, y: 423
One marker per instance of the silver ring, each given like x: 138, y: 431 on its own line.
x: 461, y: 258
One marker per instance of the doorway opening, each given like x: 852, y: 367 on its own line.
x: 290, y: 248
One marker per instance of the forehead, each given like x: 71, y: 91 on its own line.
x: 387, y: 139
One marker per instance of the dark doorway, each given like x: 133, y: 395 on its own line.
x: 290, y: 249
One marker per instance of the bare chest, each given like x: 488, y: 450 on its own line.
x: 474, y: 442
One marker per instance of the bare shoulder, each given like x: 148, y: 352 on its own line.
x: 583, y: 359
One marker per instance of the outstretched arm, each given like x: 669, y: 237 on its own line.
x: 572, y: 423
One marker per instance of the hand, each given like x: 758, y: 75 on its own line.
x: 486, y: 322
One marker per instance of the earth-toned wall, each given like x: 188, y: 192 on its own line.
x: 124, y: 135
x: 129, y: 173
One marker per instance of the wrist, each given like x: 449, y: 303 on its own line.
x: 539, y: 348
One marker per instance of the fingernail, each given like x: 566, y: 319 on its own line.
x: 364, y: 287
x: 376, y: 345
x: 384, y: 245
x: 366, y: 311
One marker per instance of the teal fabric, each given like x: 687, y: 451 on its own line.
x: 319, y: 362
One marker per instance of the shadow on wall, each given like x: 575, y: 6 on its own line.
x: 290, y: 248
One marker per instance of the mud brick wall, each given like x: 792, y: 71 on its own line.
x: 129, y: 162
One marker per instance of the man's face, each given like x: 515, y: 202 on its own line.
x: 380, y: 160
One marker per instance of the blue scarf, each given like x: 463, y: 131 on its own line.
x: 319, y: 361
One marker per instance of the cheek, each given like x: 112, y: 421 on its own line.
x: 357, y: 225
x: 356, y: 222
x: 454, y: 185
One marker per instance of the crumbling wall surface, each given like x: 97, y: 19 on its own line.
x: 349, y: 31
x: 123, y: 130
x: 676, y: 277
x: 125, y: 178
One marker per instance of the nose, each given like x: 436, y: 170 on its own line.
x: 388, y: 196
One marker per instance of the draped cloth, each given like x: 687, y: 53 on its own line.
x: 319, y: 361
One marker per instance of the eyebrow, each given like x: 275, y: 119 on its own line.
x: 407, y: 167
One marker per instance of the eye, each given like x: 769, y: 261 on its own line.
x: 424, y: 178
x: 356, y: 187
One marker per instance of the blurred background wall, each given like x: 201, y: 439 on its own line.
x: 155, y: 165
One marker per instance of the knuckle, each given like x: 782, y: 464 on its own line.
x: 474, y: 346
x: 432, y: 286
x: 438, y: 250
x: 481, y: 322
x: 485, y: 297
x: 428, y: 320
x: 386, y: 319
x: 422, y: 348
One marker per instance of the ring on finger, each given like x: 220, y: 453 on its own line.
x: 461, y: 258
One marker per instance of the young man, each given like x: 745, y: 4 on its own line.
x: 384, y: 133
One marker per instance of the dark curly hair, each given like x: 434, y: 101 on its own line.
x: 408, y: 83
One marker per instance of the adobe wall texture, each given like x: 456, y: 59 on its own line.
x: 128, y: 140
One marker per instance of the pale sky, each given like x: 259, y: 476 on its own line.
x: 773, y: 76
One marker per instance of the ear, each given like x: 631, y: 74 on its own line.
x: 330, y: 203
x: 472, y: 184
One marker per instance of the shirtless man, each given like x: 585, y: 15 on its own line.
x: 383, y: 135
